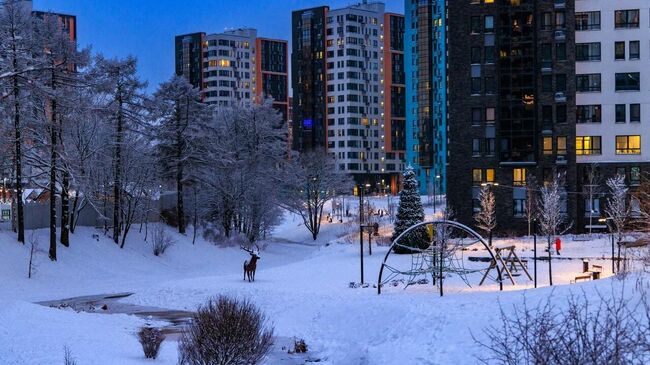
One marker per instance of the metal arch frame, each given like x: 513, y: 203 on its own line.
x: 437, y: 222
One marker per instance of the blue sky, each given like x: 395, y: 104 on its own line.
x: 146, y: 28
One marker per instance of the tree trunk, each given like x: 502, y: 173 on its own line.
x: 117, y: 181
x: 18, y: 155
x: 180, y: 209
x: 65, y: 209
x: 195, y: 219
x: 53, y: 152
x: 73, y: 215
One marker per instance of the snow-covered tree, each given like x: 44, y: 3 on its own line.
x: 591, y: 189
x: 410, y: 213
x: 617, y: 210
x: 122, y: 106
x: 17, y: 72
x: 550, y: 215
x: 243, y: 147
x: 312, y: 180
x: 642, y: 194
x: 486, y: 219
x: 178, y: 116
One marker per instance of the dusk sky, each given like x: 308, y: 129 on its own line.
x: 146, y: 28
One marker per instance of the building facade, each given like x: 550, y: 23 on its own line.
x: 426, y: 92
x: 347, y: 70
x: 235, y: 66
x: 613, y: 98
x: 511, y: 104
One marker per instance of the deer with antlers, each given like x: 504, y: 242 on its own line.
x: 250, y: 266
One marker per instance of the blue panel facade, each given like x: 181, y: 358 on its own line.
x: 426, y: 92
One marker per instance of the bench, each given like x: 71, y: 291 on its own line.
x: 581, y: 278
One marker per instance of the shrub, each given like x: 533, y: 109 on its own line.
x: 150, y: 339
x: 299, y: 346
x: 68, y: 359
x: 593, y: 329
x: 160, y: 240
x: 225, y: 331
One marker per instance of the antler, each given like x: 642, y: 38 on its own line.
x: 246, y: 249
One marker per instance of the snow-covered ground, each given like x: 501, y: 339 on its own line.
x: 302, y: 285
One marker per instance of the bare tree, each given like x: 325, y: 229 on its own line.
x: 530, y: 209
x: 551, y: 217
x: 617, y: 210
x: 312, y: 180
x: 486, y: 219
x: 642, y: 194
x: 591, y: 190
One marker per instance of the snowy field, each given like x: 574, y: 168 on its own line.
x: 302, y: 285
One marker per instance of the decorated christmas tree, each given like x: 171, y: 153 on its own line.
x: 409, y: 213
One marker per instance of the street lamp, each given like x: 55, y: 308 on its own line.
x: 434, y: 192
x: 535, y: 250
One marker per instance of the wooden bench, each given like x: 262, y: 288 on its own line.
x: 581, y: 278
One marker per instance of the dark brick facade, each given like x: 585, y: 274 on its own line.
x: 497, y: 63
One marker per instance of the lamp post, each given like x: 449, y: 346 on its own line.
x: 535, y: 251
x: 361, y: 225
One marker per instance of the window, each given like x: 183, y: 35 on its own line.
x: 519, y: 177
x: 620, y: 113
x: 490, y: 115
x: 560, y: 114
x: 548, y: 145
x: 560, y: 51
x: 476, y: 147
x: 561, y: 145
x: 635, y: 50
x: 519, y: 207
x: 489, y: 54
x: 489, y: 24
x: 476, y: 86
x: 490, y: 146
x: 628, y: 145
x: 635, y: 175
x: 547, y: 21
x: 628, y: 81
x: 588, y: 82
x: 560, y: 83
x: 490, y: 86
x: 588, y: 20
x: 547, y: 115
x: 547, y: 83
x: 626, y: 18
x: 475, y: 25
x: 560, y: 20
x: 635, y: 113
x: 619, y: 50
x: 482, y: 176
x: 588, y: 51
x: 476, y: 116
x: 588, y: 114
x: 476, y: 55
x: 588, y: 145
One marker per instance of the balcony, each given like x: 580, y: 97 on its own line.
x: 560, y: 35
x: 560, y: 97
x: 559, y: 4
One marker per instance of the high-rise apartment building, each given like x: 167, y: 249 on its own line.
x: 348, y: 89
x: 613, y: 98
x: 426, y: 92
x: 235, y: 65
x: 511, y: 113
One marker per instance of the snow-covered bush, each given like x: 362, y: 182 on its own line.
x: 160, y: 240
x: 587, y: 329
x: 226, y: 331
x: 150, y: 338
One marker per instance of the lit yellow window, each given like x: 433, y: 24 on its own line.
x: 489, y: 175
x: 548, y: 145
x: 519, y: 177
x: 224, y: 63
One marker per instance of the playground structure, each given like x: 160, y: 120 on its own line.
x: 448, y: 242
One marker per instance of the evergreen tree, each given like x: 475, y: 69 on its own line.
x: 409, y: 213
